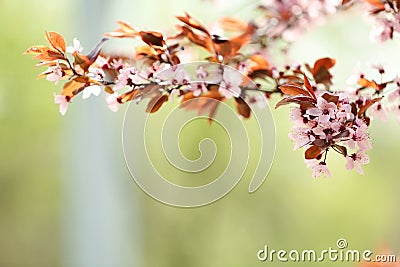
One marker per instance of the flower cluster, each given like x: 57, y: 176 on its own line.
x: 385, y: 14
x: 287, y: 19
x: 387, y: 18
x: 336, y: 121
x: 330, y: 124
x: 323, y: 120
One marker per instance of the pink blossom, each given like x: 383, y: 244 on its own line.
x: 63, y: 102
x: 325, y: 132
x: 173, y: 93
x: 378, y: 111
x: 320, y: 169
x: 296, y: 116
x: 117, y: 63
x: 112, y: 102
x: 275, y: 73
x: 324, y: 111
x: 55, y: 73
x: 230, y: 84
x: 359, y: 136
x: 244, y: 66
x: 198, y: 88
x: 91, y: 90
x: 202, y: 73
x: 291, y: 17
x: 382, y: 31
x: 356, y: 160
x: 345, y: 113
x: 260, y: 100
x: 126, y: 77
x: 102, y: 62
x: 76, y: 47
x: 96, y: 73
x: 181, y: 77
x: 301, y: 136
x: 396, y: 21
x: 379, y: 68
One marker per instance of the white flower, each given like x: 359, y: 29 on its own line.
x: 359, y: 136
x: 63, y: 102
x: 181, y: 77
x: 125, y: 77
x: 91, y: 90
x: 55, y: 73
x: 76, y: 47
x: 201, y: 73
x: 325, y: 110
x: 378, y: 111
x: 320, y: 169
x: 113, y: 102
x: 230, y: 84
x: 356, y: 160
x: 301, y: 136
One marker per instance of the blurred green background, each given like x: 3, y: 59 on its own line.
x: 67, y: 199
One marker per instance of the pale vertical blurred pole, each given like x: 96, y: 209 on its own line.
x: 100, y: 226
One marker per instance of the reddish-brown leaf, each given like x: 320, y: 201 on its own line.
x: 292, y: 78
x: 206, y: 103
x: 148, y: 91
x: 323, y: 63
x: 123, y: 31
x: 340, y: 149
x: 309, y: 87
x: 293, y: 89
x: 128, y: 96
x: 186, y: 97
x: 304, y: 101
x: 259, y: 74
x: 201, y: 40
x: 320, y: 71
x: 233, y: 24
x: 190, y: 21
x: 367, y: 105
x: 224, y: 48
x: 74, y: 86
x: 378, y: 4
x: 152, y: 38
x: 242, y: 39
x: 175, y: 59
x: 242, y: 107
x: 330, y: 98
x: 312, y: 152
x: 108, y: 89
x: 82, y: 60
x: 258, y: 62
x: 146, y: 51
x: 363, y: 82
x: 155, y: 103
x: 38, y: 49
x: 49, y: 55
x: 56, y: 40
x: 344, y: 134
